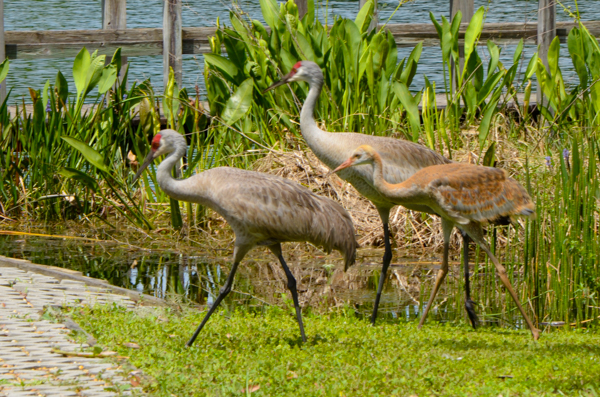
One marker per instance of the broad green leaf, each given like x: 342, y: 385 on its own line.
x: 71, y: 173
x: 45, y: 93
x: 80, y: 70
x: 470, y: 96
x: 575, y: 45
x: 363, y: 19
x: 94, y: 73
x: 62, y: 88
x: 437, y: 25
x: 494, y: 52
x: 171, y: 101
x: 392, y: 56
x: 518, y: 52
x: 224, y: 65
x: 287, y: 59
x: 108, y: 78
x: 411, y: 65
x: 270, y: 11
x: 90, y: 154
x: 260, y: 29
x: 484, y: 127
x: 531, y: 67
x: 353, y: 41
x: 116, y: 59
x: 489, y: 86
x: 447, y: 41
x: 239, y: 103
x: 305, y: 47
x: 39, y: 115
x: 473, y: 32
x: 309, y: 18
x: 176, y: 219
x: 411, y: 106
x: 4, y: 66
x: 490, y: 155
x: 553, y: 54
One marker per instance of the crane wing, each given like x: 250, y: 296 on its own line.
x: 477, y: 193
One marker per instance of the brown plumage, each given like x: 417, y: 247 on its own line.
x: 464, y: 195
x: 261, y: 209
x: 402, y: 159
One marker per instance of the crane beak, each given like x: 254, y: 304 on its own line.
x: 283, y: 81
x: 145, y: 165
x: 345, y: 164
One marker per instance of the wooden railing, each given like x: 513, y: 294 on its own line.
x: 173, y: 40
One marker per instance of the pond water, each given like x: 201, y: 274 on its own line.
x: 197, y: 277
x: 80, y: 14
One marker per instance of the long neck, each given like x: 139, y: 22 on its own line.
x: 398, y: 193
x: 307, y: 114
x: 173, y: 187
x: 322, y: 143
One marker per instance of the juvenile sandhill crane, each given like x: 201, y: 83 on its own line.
x: 463, y: 195
x: 261, y: 209
x: 401, y: 160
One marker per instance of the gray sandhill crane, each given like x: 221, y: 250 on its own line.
x: 401, y: 160
x: 463, y: 195
x: 261, y: 209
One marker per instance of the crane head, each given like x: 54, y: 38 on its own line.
x: 157, y: 148
x: 301, y: 71
x: 363, y: 155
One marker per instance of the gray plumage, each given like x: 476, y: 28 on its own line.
x: 261, y: 209
x: 401, y: 158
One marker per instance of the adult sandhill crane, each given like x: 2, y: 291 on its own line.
x: 261, y: 209
x: 463, y: 195
x: 401, y: 160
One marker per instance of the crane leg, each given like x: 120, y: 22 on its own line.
x: 291, y: 284
x: 387, y: 259
x: 477, y: 236
x: 447, y: 229
x: 469, y: 304
x: 238, y: 255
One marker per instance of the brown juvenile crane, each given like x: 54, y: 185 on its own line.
x: 401, y: 160
x: 463, y: 195
x: 261, y: 209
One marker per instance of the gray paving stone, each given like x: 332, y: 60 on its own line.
x: 26, y: 345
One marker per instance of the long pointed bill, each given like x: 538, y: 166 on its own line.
x: 283, y: 81
x: 145, y: 165
x: 345, y: 164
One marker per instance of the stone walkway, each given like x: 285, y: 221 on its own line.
x: 28, y: 367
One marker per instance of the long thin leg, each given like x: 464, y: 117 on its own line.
x: 469, y: 304
x: 238, y: 254
x: 387, y: 259
x: 477, y: 236
x: 447, y: 228
x: 276, y: 249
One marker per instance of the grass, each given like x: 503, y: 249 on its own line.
x: 260, y: 353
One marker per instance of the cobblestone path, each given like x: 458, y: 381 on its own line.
x: 28, y: 367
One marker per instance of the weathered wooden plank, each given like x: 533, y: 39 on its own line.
x: 546, y: 32
x: 172, y: 40
x: 302, y: 7
x: 114, y: 17
x: 2, y: 50
x: 114, y: 14
x: 466, y: 8
x: 149, y: 41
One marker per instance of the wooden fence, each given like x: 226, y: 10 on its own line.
x: 173, y: 40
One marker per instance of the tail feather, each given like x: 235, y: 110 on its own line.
x: 334, y: 230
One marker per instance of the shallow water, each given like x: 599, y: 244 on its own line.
x: 196, y: 277
x: 79, y: 14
